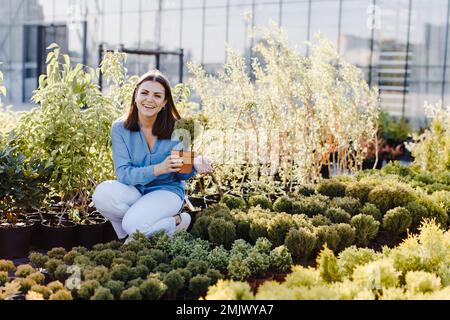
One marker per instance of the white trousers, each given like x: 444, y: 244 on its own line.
x: 130, y: 211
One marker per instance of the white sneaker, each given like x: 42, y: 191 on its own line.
x: 185, y: 221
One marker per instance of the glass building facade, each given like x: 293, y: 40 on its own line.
x: 401, y: 45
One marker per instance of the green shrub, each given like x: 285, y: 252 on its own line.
x: 120, y: 272
x: 25, y: 284
x: 233, y: 202
x: 62, y: 294
x: 320, y: 220
x: 331, y: 188
x: 397, y: 220
x: 238, y: 268
x: 257, y: 262
x: 179, y: 262
x: 147, y: 261
x: 186, y: 274
x: 328, y: 266
x: 116, y: 287
x: 61, y: 273
x: 263, y: 245
x: 163, y: 268
x: 358, y: 190
x: 347, y: 235
x: 366, y: 228
x: 87, y: 289
x: 130, y: 256
x: 105, y: 257
x: 388, y: 196
x: 350, y: 205
x: 37, y: 259
x: 435, y: 210
x: 51, y: 265
x: 305, y: 190
x: 260, y: 200
x: 371, y: 210
x: 327, y: 235
x: 338, y: 215
x: 311, y: 206
x: 200, y: 227
x: 283, y: 204
x: 422, y: 282
x: 200, y: 250
x: 214, y: 275
x: 55, y: 286
x: 139, y: 271
x: 102, y: 294
x: 152, y: 289
x: 280, y: 259
x: 69, y: 257
x: 197, y: 267
x: 240, y: 247
x: 199, y: 285
x: 222, y: 232
x: 278, y: 228
x: 46, y: 292
x: 24, y: 271
x: 7, y: 265
x: 258, y: 229
x: 418, y: 213
x: 82, y: 261
x: 3, y: 278
x: 159, y: 255
x: 174, y: 282
x: 300, y: 243
x: 57, y: 253
x: 218, y: 258
x: 242, y: 229
x: 132, y: 293
x: 352, y: 257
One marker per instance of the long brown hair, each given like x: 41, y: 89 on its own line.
x: 166, y: 118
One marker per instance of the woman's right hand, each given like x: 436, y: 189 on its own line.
x: 172, y: 163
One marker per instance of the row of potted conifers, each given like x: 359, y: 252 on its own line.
x: 50, y: 230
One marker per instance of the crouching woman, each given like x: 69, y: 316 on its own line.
x: 148, y: 194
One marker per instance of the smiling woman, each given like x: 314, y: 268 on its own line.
x: 149, y: 191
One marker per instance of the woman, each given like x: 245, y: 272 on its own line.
x: 149, y: 192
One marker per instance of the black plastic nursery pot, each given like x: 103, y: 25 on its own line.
x: 109, y: 234
x: 211, y: 199
x: 58, y: 234
x: 197, y: 202
x: 15, y: 239
x: 36, y: 235
x: 90, y: 232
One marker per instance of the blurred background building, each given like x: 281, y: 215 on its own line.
x: 401, y: 45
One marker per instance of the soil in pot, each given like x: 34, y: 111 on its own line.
x: 56, y: 233
x: 15, y: 238
x: 90, y: 231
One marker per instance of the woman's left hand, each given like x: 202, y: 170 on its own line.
x: 203, y: 165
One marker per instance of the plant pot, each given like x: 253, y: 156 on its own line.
x: 62, y: 235
x: 197, y: 202
x: 188, y: 159
x: 36, y: 235
x: 90, y: 232
x: 15, y: 240
x: 211, y: 199
x: 109, y: 234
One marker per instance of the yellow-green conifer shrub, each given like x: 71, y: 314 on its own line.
x: 229, y: 290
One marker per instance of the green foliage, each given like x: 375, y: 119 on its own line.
x: 257, y: 262
x: 371, y: 210
x: 87, y: 289
x: 62, y: 294
x: 102, y: 294
x: 260, y: 200
x: 347, y: 235
x: 358, y: 190
x: 197, y: 267
x: 263, y: 245
x: 397, y: 220
x: 120, y: 272
x: 24, y: 271
x: 38, y: 259
x: 338, y: 215
x: 200, y: 227
x: 366, y: 228
x: 229, y: 290
x: 152, y: 289
x: 234, y: 202
x: 352, y: 257
x: 52, y: 264
x: 46, y: 292
x: 238, y: 268
x: 320, y: 220
x: 283, y: 204
x: 394, y: 131
x: 132, y: 293
x: 350, y: 205
x: 280, y: 259
x: 116, y: 287
x: 57, y: 253
x: 3, y: 278
x: 376, y: 275
x: 174, y: 282
x: 300, y: 243
x: 199, y: 285
x: 105, y: 257
x: 331, y: 188
x: 422, y: 282
x: 218, y: 258
x: 328, y: 266
x: 278, y: 228
x: 388, y: 196
x: 327, y: 235
x: 99, y: 273
x: 214, y: 275
x: 55, y: 286
x: 222, y: 232
x: 258, y: 229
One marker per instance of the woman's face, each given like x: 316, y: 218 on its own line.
x: 150, y: 98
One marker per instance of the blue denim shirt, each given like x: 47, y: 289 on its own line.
x: 134, y: 162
